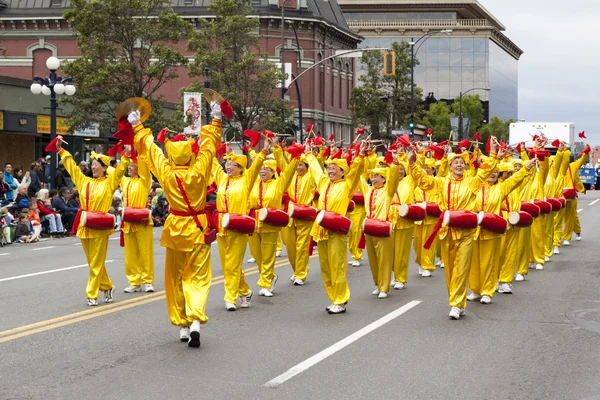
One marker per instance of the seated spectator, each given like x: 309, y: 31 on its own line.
x: 37, y: 178
x: 115, y: 209
x: 83, y: 166
x: 4, y: 189
x: 6, y: 220
x: 74, y: 199
x: 22, y: 199
x: 24, y: 231
x: 160, y: 212
x: 61, y: 204
x: 48, y: 213
x: 34, y: 217
x: 18, y: 175
x: 158, y: 192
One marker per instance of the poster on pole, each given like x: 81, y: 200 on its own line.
x: 192, y: 106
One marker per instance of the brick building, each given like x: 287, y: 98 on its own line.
x: 33, y: 30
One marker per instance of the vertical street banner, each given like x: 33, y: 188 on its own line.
x: 192, y: 106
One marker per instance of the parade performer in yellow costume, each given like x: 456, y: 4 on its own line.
x: 335, y: 186
x: 233, y: 188
x: 552, y: 189
x: 357, y: 216
x: 267, y: 193
x: 572, y: 181
x: 524, y: 239
x: 184, y: 178
x: 138, y: 237
x: 96, y: 195
x: 378, y: 199
x: 564, y: 156
x: 457, y: 193
x: 486, y: 257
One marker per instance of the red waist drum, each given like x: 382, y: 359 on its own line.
x: 530, y: 208
x: 460, y: 219
x: 239, y: 223
x: 136, y: 215
x: 433, y: 209
x: 273, y: 216
x: 492, y: 222
x: 563, y: 201
x: 570, y: 193
x: 520, y: 219
x: 377, y: 228
x: 316, y: 195
x: 302, y: 213
x: 334, y: 222
x: 545, y: 207
x: 97, y: 220
x: 351, y: 206
x: 358, y: 198
x: 555, y: 203
x: 412, y: 212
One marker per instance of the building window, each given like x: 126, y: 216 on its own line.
x: 341, y: 84
x: 56, y: 3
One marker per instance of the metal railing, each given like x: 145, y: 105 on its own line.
x: 412, y: 23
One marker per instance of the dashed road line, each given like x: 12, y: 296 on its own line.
x: 11, y: 278
x: 580, y: 210
x: 43, y: 248
x: 594, y: 202
x: 4, y: 254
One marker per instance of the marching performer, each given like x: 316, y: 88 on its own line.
x: 458, y: 193
x: 564, y: 156
x: 184, y: 178
x: 233, y: 188
x: 571, y: 178
x: 335, y: 186
x: 357, y: 216
x: 138, y: 236
x: 96, y: 196
x: 378, y: 199
x: 552, y: 188
x: 486, y: 257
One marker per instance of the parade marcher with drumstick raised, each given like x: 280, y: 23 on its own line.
x: 335, y: 186
x: 458, y: 193
x: 573, y: 183
x: 187, y: 236
x: 96, y: 195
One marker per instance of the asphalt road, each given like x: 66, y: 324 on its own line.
x: 540, y: 343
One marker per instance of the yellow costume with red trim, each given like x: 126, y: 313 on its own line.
x: 572, y: 181
x: 538, y: 229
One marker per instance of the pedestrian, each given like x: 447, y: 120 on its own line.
x: 36, y: 179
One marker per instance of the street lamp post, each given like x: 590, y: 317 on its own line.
x: 412, y: 73
x: 301, y: 128
x: 460, y: 113
x: 51, y: 86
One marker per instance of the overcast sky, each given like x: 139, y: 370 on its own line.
x: 559, y: 73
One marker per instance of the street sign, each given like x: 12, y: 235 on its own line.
x: 587, y: 175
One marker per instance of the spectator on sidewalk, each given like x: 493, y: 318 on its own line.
x: 10, y: 180
x: 85, y: 169
x: 18, y: 175
x: 74, y: 199
x: 34, y: 217
x: 48, y: 213
x: 22, y: 198
x: 4, y: 189
x: 61, y: 181
x: 61, y: 204
x: 36, y: 179
x: 160, y: 212
x: 24, y: 232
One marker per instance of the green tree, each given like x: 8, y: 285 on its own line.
x: 438, y: 119
x: 471, y: 108
x: 230, y: 48
x: 128, y: 49
x: 496, y: 127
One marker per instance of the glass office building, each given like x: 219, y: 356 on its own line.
x: 474, y: 55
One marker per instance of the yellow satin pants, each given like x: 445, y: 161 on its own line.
x: 333, y: 259
x: 232, y: 249
x: 139, y: 256
x: 95, y: 253
x: 558, y: 225
x: 188, y: 277
x: 510, y: 252
x: 456, y: 255
x: 569, y: 220
x: 297, y: 240
x: 538, y: 239
x: 265, y: 246
x: 484, y: 266
x: 523, y: 251
x: 381, y: 252
x: 577, y: 228
x: 279, y: 245
x: 425, y: 257
x: 549, y: 235
x: 357, y: 217
x: 402, y: 242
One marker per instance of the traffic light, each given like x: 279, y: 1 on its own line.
x: 389, y: 63
x: 411, y: 126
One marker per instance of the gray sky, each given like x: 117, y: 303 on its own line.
x: 559, y: 71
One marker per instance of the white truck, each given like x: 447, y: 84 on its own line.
x: 524, y: 131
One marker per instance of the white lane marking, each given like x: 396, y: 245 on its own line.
x: 4, y: 254
x: 580, y: 210
x: 77, y: 244
x: 594, y: 202
x: 43, y: 248
x: 115, y: 238
x: 48, y: 272
x: 306, y: 364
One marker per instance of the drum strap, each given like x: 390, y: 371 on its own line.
x: 326, y: 196
x: 193, y: 213
x: 78, y: 216
x: 571, y: 174
x: 371, y: 203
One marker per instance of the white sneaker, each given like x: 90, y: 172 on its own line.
x: 109, y: 295
x: 531, y: 265
x: 245, y: 300
x: 426, y: 273
x: 566, y: 243
x: 147, y: 288
x: 485, y: 300
x: 505, y: 288
x: 251, y: 260
x: 92, y: 302
x: 399, y: 285
x: 473, y: 296
x: 393, y: 282
x: 519, y: 278
x: 194, y: 340
x: 356, y: 263
x: 230, y: 306
x: 298, y: 282
x: 556, y: 250
x: 265, y: 292
x: 462, y: 311
x: 442, y: 265
x: 273, y: 282
x: 132, y: 289
x: 337, y: 309
x: 578, y: 236
x: 546, y: 259
x: 454, y: 313
x: 184, y: 333
x: 292, y: 278
x: 539, y: 266
x: 421, y: 270
x: 278, y: 253
x: 382, y: 295
x: 437, y: 262
x: 375, y: 292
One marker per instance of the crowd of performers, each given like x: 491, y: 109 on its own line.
x: 486, y: 218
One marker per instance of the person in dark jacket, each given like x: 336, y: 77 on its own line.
x: 61, y: 205
x: 22, y: 200
x: 36, y: 179
x: 61, y: 181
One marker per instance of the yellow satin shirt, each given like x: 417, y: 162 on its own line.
x: 378, y: 201
x: 572, y: 174
x: 135, y: 192
x: 404, y: 194
x: 95, y: 194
